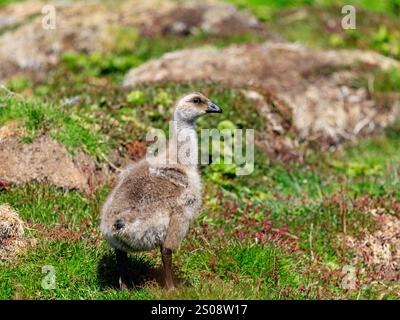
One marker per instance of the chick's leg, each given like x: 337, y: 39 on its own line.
x: 177, y: 229
x: 166, y: 255
x: 122, y: 265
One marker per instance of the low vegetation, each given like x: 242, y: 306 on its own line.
x: 279, y: 233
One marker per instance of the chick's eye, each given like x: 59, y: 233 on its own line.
x: 196, y: 100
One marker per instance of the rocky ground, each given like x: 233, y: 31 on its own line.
x: 76, y: 102
x: 299, y: 76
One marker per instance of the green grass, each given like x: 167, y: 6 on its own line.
x: 303, y: 198
x: 265, y: 8
x: 272, y: 235
x: 318, y: 23
x: 109, y: 114
x: 39, y: 117
x: 213, y: 264
x: 5, y: 2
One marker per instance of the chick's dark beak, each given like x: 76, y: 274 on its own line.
x: 213, y: 108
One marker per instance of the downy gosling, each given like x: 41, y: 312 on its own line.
x: 155, y: 200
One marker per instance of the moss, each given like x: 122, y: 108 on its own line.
x: 39, y: 117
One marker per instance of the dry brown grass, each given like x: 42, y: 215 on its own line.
x: 12, y: 235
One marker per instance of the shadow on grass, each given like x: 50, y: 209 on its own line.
x: 140, y: 272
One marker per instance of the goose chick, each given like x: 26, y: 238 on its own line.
x: 155, y: 200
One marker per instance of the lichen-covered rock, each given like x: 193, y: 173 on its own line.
x: 314, y: 83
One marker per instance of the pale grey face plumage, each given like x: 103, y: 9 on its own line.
x: 194, y: 105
